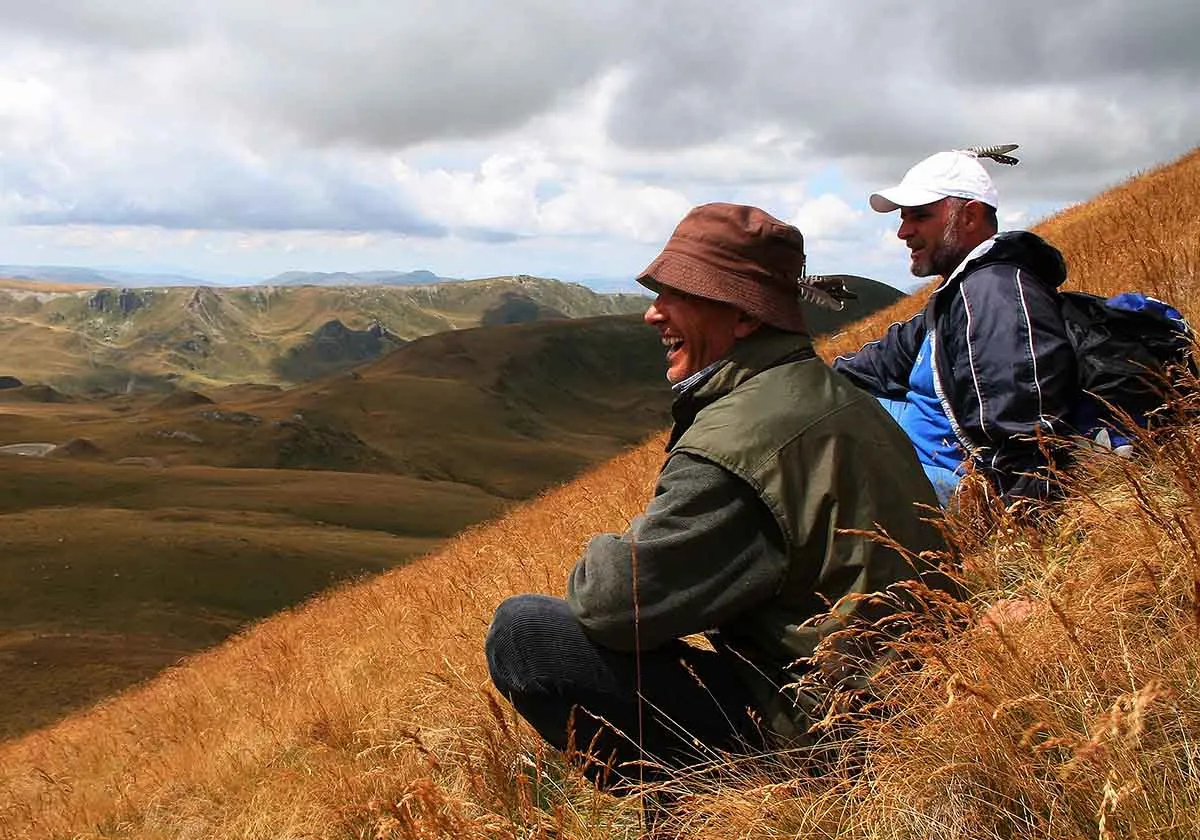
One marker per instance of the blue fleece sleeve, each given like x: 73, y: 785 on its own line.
x: 882, y: 367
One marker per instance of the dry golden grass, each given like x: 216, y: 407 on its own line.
x: 367, y: 714
x: 1078, y: 719
x: 359, y: 712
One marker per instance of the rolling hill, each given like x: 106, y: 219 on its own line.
x: 82, y: 339
x: 505, y: 408
x: 130, y: 339
x: 159, y: 526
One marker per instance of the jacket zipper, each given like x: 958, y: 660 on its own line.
x: 966, y: 444
x: 979, y: 250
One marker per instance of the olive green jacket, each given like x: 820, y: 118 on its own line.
x: 771, y: 458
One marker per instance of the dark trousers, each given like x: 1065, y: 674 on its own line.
x: 570, y: 689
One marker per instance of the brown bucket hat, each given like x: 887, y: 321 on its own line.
x: 738, y: 255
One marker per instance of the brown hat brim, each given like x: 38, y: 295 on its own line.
x: 768, y: 303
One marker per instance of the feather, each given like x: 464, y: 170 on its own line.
x: 826, y: 292
x: 998, y: 153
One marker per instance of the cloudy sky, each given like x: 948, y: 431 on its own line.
x: 242, y: 138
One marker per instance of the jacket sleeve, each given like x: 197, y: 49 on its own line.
x: 1019, y: 383
x: 706, y: 549
x: 882, y: 367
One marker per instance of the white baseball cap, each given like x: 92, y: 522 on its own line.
x: 944, y: 175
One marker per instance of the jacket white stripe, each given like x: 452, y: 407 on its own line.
x: 1037, y: 380
x: 885, y: 332
x: 971, y: 363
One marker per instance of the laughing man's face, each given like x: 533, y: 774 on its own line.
x: 696, y: 331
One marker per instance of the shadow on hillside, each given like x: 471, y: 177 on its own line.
x: 48, y: 676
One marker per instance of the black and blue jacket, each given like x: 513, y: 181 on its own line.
x: 1004, y: 368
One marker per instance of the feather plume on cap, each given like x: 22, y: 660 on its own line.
x: 998, y: 153
x: 828, y: 292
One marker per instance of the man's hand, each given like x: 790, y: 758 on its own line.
x: 1009, y: 611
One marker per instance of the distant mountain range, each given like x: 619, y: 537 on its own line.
x: 356, y: 278
x: 83, y: 339
x: 80, y: 276
x: 298, y: 328
x: 102, y: 277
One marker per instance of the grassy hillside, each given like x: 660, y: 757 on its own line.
x: 367, y: 713
x: 84, y: 339
x: 134, y: 542
x: 109, y: 574
x: 507, y: 408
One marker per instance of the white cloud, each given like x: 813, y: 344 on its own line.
x: 600, y: 205
x: 827, y: 216
x: 1015, y: 218
x: 559, y: 132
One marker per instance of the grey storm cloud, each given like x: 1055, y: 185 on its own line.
x: 813, y: 65
x: 1085, y: 86
x: 397, y: 73
x: 878, y: 84
x: 1075, y: 41
x: 384, y: 74
x: 392, y: 75
x: 121, y: 24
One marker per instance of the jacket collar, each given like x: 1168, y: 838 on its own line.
x: 1020, y: 247
x: 765, y: 348
x: 976, y: 252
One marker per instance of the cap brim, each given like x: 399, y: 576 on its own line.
x: 650, y: 283
x: 885, y: 201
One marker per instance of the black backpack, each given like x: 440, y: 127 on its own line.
x: 1125, y: 348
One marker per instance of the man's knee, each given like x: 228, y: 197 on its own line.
x: 521, y: 626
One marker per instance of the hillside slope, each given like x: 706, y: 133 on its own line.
x: 108, y: 574
x: 471, y: 418
x: 366, y: 713
x: 509, y: 409
x: 120, y: 339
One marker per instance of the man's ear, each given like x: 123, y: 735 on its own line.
x: 745, y: 325
x: 974, y: 216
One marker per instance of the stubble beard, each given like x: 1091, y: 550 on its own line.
x: 946, y: 255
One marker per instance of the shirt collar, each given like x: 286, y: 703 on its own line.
x: 696, y: 379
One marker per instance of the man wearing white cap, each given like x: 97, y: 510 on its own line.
x: 986, y: 369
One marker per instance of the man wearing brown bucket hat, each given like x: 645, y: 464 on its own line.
x: 773, y: 460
